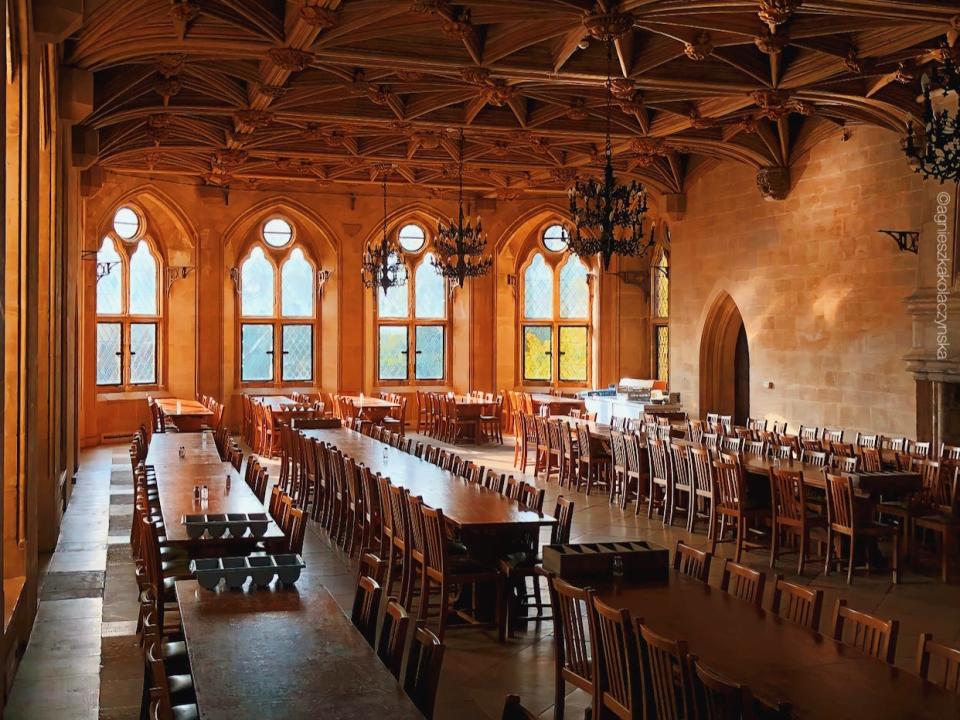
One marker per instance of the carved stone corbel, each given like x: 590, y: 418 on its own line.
x: 773, y: 182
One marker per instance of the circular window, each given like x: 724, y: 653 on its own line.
x: 412, y: 238
x: 126, y: 223
x: 277, y: 232
x: 555, y: 238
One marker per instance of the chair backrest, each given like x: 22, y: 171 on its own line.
x: 657, y: 455
x: 938, y: 663
x: 728, y: 486
x: 668, y: 671
x: 393, y: 636
x: 809, y: 433
x: 692, y: 562
x: 871, y: 635
x: 815, y: 457
x: 787, y: 495
x: 680, y: 466
x: 840, y: 511
x: 798, y: 604
x: 435, y: 533
x: 563, y: 514
x: 573, y: 628
x: 700, y: 465
x: 619, y: 683
x: 870, y: 459
x: 423, y: 670
x: 743, y: 582
x: 296, y: 530
x: 372, y: 566
x: 717, y: 698
x: 832, y: 436
x: 366, y: 606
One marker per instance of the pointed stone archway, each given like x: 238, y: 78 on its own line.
x: 725, y: 362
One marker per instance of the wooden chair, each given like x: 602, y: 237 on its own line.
x: 692, y: 562
x: 593, y: 468
x: 618, y: 465
x: 714, y: 697
x: 790, y: 514
x: 931, y: 654
x: 514, y: 710
x: 940, y: 513
x: 659, y: 477
x: 619, y: 684
x: 447, y: 573
x: 569, y: 452
x: 731, y: 503
x: 637, y: 484
x: 574, y: 652
x: 796, y: 603
x: 393, y: 636
x: 743, y: 583
x: 422, y: 677
x: 372, y: 566
x: 366, y: 607
x: 491, y: 424
x: 681, y: 482
x: 842, y: 520
x: 669, y: 673
x: 702, y: 489
x: 871, y: 635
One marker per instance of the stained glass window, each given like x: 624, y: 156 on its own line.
x: 574, y: 291
x: 297, y: 352
x: 296, y: 286
x: 393, y: 352
x: 662, y: 349
x: 143, y: 281
x: 256, y: 352
x: 537, y: 352
x: 256, y: 285
x: 110, y: 286
x: 573, y: 353
x: 430, y: 290
x: 538, y: 290
x: 429, y: 358
x: 143, y: 353
x: 108, y: 353
x: 661, y: 287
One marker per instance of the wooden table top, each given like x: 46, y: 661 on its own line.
x: 283, y: 653
x: 780, y: 661
x: 547, y: 399
x: 277, y: 403
x: 372, y: 402
x: 177, y: 477
x: 463, y: 504
x: 177, y: 407
x: 467, y: 400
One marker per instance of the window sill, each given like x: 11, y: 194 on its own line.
x: 121, y: 395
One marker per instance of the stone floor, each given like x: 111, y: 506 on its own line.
x: 82, y: 661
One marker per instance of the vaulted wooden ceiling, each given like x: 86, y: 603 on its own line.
x: 246, y: 92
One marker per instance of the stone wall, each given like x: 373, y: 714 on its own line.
x: 821, y: 292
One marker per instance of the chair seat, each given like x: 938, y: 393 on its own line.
x: 456, y: 548
x: 876, y: 529
x: 181, y: 689
x: 937, y: 519
x: 522, y: 559
x: 185, y: 712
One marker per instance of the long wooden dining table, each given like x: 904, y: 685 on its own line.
x: 176, y: 479
x: 283, y: 652
x: 780, y: 661
x: 187, y: 415
x: 465, y: 505
x: 555, y: 404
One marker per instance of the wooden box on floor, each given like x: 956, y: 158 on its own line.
x: 642, y: 560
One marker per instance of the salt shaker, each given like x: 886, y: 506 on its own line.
x: 204, y: 493
x: 196, y: 492
x: 182, y: 452
x: 228, y: 481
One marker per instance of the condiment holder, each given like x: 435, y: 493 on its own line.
x: 260, y: 569
x: 216, y: 525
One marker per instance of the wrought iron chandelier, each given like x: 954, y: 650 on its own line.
x: 607, y: 218
x: 460, y: 246
x: 382, y: 266
x: 936, y: 151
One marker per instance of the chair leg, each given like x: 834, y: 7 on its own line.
x: 850, y: 566
x: 741, y: 531
x: 828, y: 552
x: 804, y: 542
x: 774, y: 542
x: 896, y: 557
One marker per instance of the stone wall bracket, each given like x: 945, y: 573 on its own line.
x: 174, y: 273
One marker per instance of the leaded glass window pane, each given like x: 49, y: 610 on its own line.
x: 108, y: 353
x: 573, y: 354
x: 662, y: 346
x: 143, y: 281
x: 429, y: 287
x: 661, y: 287
x: 297, y: 352
x: 393, y: 302
x: 538, y: 290
x: 256, y: 285
x: 256, y: 352
x: 109, y: 287
x: 296, y: 286
x: 393, y: 352
x: 143, y: 353
x: 429, y: 360
x: 574, y: 291
x: 537, y: 352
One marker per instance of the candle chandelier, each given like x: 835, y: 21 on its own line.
x: 936, y: 151
x: 460, y: 246
x: 382, y: 265
x: 607, y: 218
